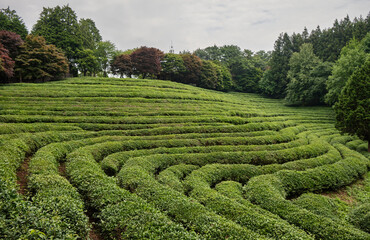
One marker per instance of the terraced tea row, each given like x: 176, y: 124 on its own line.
x: 149, y: 159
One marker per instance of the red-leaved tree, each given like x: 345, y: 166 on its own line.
x: 147, y: 61
x: 6, y: 64
x: 122, y: 65
x: 11, y: 42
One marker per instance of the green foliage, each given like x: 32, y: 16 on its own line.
x: 245, y: 68
x: 360, y: 217
x: 10, y: 21
x: 324, y: 206
x: 275, y: 79
x: 59, y: 26
x: 87, y: 62
x: 90, y: 33
x: 307, y: 77
x: 38, y: 60
x: 105, y: 52
x: 351, y: 57
x: 353, y: 107
x: 172, y: 67
x: 152, y: 159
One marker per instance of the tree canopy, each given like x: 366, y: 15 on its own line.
x: 90, y: 33
x: 59, y: 26
x: 147, y: 61
x: 11, y: 42
x: 38, y: 60
x: 10, y: 21
x: 87, y: 62
x: 122, y: 65
x: 172, y: 67
x: 353, y: 106
x: 307, y: 76
x: 351, y: 56
x: 6, y: 64
x: 275, y: 80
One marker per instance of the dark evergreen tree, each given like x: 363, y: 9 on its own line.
x: 10, y: 21
x: 275, y: 79
x: 353, y: 107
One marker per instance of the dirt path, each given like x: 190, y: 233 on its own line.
x: 22, y: 176
x: 62, y: 169
x: 94, y: 233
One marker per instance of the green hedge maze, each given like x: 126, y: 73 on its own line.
x: 151, y: 159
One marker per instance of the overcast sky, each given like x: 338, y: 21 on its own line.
x: 192, y: 24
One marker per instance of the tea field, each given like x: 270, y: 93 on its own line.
x: 108, y: 158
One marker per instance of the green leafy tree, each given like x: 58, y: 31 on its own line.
x: 350, y: 58
x: 90, y: 33
x: 193, y: 65
x: 10, y: 21
x: 225, y: 82
x: 245, y: 75
x: 105, y: 51
x: 353, y: 106
x: 147, y: 61
x: 87, y: 62
x: 59, y: 26
x: 172, y: 67
x: 209, y: 76
x: 245, y: 67
x: 40, y: 61
x: 212, y: 53
x: 261, y: 59
x: 307, y: 77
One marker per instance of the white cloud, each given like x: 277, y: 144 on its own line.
x: 191, y: 24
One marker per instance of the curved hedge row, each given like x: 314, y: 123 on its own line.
x: 146, y: 159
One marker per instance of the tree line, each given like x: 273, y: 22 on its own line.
x: 184, y: 68
x: 58, y: 45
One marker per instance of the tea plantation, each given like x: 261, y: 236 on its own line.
x: 108, y: 158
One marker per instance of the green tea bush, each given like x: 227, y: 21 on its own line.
x: 150, y: 159
x: 360, y: 217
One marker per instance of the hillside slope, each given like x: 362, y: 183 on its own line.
x: 150, y: 159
